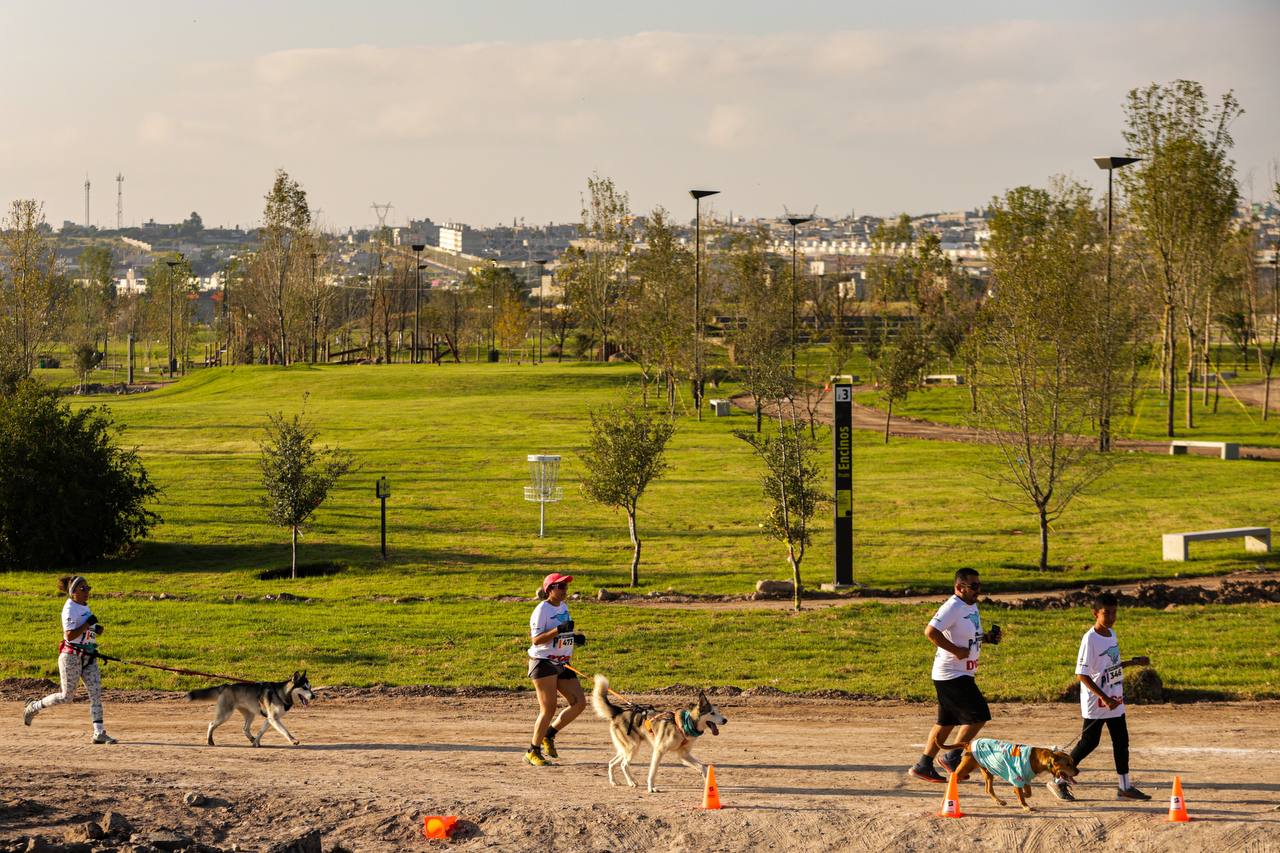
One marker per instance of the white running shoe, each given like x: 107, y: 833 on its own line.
x: 29, y: 712
x: 103, y: 737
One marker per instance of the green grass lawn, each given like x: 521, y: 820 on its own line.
x: 871, y: 649
x: 452, y: 440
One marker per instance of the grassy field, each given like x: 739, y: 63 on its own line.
x: 452, y: 440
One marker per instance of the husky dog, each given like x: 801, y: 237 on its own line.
x: 270, y: 699
x: 666, y: 731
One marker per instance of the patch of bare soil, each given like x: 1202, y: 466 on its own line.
x: 794, y: 775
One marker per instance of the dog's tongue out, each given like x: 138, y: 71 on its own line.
x: 712, y: 726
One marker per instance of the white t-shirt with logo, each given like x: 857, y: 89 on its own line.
x: 959, y: 623
x: 1099, y: 659
x: 545, y: 617
x: 73, y: 615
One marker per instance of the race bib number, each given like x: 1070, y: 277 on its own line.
x: 1113, y: 675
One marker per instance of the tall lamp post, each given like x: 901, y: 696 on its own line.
x: 417, y: 298
x: 794, y: 221
x: 698, y: 196
x: 173, y: 265
x: 542, y: 272
x: 315, y: 311
x: 1104, y: 415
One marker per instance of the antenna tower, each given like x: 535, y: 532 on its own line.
x: 381, y: 210
x: 86, y: 201
x: 119, y: 200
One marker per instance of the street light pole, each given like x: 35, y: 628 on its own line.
x: 698, y: 196
x: 417, y: 298
x: 315, y: 311
x: 794, y: 220
x: 173, y: 365
x: 1104, y: 413
x: 542, y: 272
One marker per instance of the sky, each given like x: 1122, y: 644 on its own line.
x: 489, y: 112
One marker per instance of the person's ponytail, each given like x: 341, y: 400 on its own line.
x: 64, y: 583
x: 542, y: 595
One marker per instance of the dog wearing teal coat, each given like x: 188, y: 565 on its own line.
x: 1016, y: 764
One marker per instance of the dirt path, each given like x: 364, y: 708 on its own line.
x: 794, y: 775
x: 1033, y: 599
x: 872, y: 419
x: 1254, y: 394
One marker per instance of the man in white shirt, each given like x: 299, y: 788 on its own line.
x: 956, y: 631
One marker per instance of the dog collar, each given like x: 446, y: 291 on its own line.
x: 688, y: 725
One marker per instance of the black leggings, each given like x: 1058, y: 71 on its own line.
x: 1092, y: 733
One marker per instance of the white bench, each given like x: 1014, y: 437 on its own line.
x: 720, y: 407
x: 935, y: 378
x: 1229, y: 449
x: 1257, y: 540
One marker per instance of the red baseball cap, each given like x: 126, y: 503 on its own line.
x: 555, y: 577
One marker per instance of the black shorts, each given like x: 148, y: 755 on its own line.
x: 960, y: 701
x: 541, y: 668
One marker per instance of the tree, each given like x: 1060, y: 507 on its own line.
x: 762, y: 304
x: 625, y: 451
x: 1033, y: 408
x: 69, y: 493
x: 513, y: 322
x: 96, y: 264
x: 662, y: 304
x: 32, y: 292
x: 280, y: 269
x: 900, y: 367
x: 793, y: 472
x: 1181, y: 200
x: 296, y: 475
x: 85, y: 357
x: 595, y: 270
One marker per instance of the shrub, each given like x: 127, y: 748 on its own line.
x: 68, y: 493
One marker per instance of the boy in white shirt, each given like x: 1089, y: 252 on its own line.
x: 1101, y: 675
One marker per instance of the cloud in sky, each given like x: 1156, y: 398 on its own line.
x: 874, y: 120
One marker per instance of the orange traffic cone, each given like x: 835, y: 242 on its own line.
x: 1177, y: 805
x: 951, y: 800
x: 711, y: 797
x: 438, y: 826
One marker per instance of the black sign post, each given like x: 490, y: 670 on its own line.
x: 842, y: 459
x: 383, y: 490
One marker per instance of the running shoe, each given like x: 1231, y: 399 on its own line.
x: 29, y: 712
x: 102, y: 737
x: 1131, y: 793
x: 535, y: 757
x: 926, y: 774
x: 1060, y: 789
x: 549, y: 747
x: 951, y: 760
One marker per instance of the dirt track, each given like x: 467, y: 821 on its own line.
x: 872, y: 419
x: 794, y: 775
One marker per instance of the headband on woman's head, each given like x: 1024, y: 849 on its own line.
x: 75, y: 581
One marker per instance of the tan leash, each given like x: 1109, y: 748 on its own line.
x: 612, y: 692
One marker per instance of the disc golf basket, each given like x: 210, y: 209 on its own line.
x: 543, y: 470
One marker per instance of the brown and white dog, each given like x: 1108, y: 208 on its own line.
x: 1001, y: 755
x: 666, y: 731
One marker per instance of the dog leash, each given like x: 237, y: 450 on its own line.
x: 214, y: 675
x: 612, y: 692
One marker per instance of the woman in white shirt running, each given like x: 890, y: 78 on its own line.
x: 553, y: 637
x: 81, y: 627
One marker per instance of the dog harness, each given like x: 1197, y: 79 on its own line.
x: 1011, y: 762
x: 689, y: 725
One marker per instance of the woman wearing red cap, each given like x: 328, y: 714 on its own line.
x: 553, y: 642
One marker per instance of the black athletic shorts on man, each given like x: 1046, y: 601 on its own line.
x: 956, y: 631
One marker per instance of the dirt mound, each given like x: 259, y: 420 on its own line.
x: 1156, y: 595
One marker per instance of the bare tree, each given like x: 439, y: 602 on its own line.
x: 594, y: 270
x: 754, y: 286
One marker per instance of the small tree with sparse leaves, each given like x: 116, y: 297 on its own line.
x: 793, y: 472
x: 624, y: 454
x: 296, y: 475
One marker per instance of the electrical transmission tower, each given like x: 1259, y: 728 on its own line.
x: 381, y: 210
x: 86, y: 201
x: 119, y: 200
